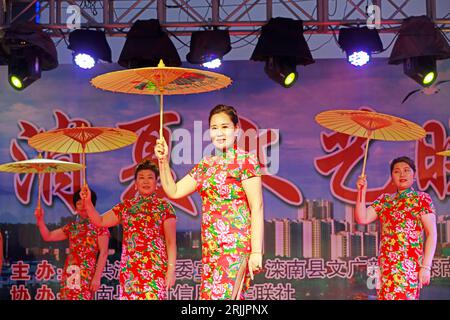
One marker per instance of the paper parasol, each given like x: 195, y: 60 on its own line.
x: 240, y: 279
x: 82, y: 140
x: 370, y: 125
x: 161, y: 81
x: 39, y: 166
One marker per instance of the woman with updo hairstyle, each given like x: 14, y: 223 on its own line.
x: 405, y: 258
x: 229, y: 184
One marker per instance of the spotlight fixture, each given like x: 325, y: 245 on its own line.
x: 24, y: 66
x: 146, y: 44
x: 282, y: 47
x: 27, y: 51
x: 422, y: 70
x: 213, y: 64
x: 359, y: 44
x: 282, y: 71
x: 420, y: 43
x: 208, y: 47
x: 88, y: 47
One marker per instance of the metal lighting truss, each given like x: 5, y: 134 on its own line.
x: 242, y: 18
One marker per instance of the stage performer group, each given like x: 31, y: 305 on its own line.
x: 232, y: 226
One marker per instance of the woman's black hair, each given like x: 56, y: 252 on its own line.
x: 406, y: 160
x: 146, y: 165
x: 76, y: 197
x: 228, y: 110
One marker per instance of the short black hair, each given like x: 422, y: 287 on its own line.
x: 146, y: 164
x: 77, y: 197
x: 228, y: 110
x: 405, y: 159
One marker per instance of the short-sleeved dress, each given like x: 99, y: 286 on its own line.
x: 80, y: 265
x: 226, y: 221
x: 143, y: 264
x: 401, y: 248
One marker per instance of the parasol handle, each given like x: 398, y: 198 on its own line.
x: 240, y: 282
x: 83, y: 162
x: 365, y: 157
x: 241, y: 285
x: 364, y: 163
x: 39, y: 191
x: 161, y: 115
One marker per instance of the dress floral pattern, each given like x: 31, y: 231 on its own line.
x: 226, y: 221
x: 82, y: 258
x: 401, y: 248
x: 143, y: 265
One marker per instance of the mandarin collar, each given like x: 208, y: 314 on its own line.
x: 80, y: 219
x: 150, y: 197
x: 230, y: 153
x: 405, y: 193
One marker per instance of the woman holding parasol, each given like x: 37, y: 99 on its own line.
x: 404, y: 266
x: 232, y: 223
x: 88, y: 252
x: 404, y: 262
x: 149, y: 237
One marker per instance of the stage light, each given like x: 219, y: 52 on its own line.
x: 24, y: 67
x: 146, y: 45
x: 290, y: 79
x: 209, y: 47
x: 282, y: 47
x: 429, y: 78
x: 423, y: 70
x: 359, y: 44
x: 88, y: 47
x: 359, y: 59
x: 84, y: 61
x: 213, y: 64
x: 418, y: 46
x: 282, y: 71
x: 16, y: 82
x: 27, y: 51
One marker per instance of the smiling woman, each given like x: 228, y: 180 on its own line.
x: 149, y: 237
x: 88, y: 252
x: 404, y: 262
x: 232, y: 224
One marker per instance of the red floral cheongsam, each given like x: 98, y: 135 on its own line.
x: 80, y: 265
x: 401, y: 248
x: 226, y: 221
x: 143, y: 265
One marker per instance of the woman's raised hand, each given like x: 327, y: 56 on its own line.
x: 39, y: 214
x: 361, y: 183
x: 161, y: 149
